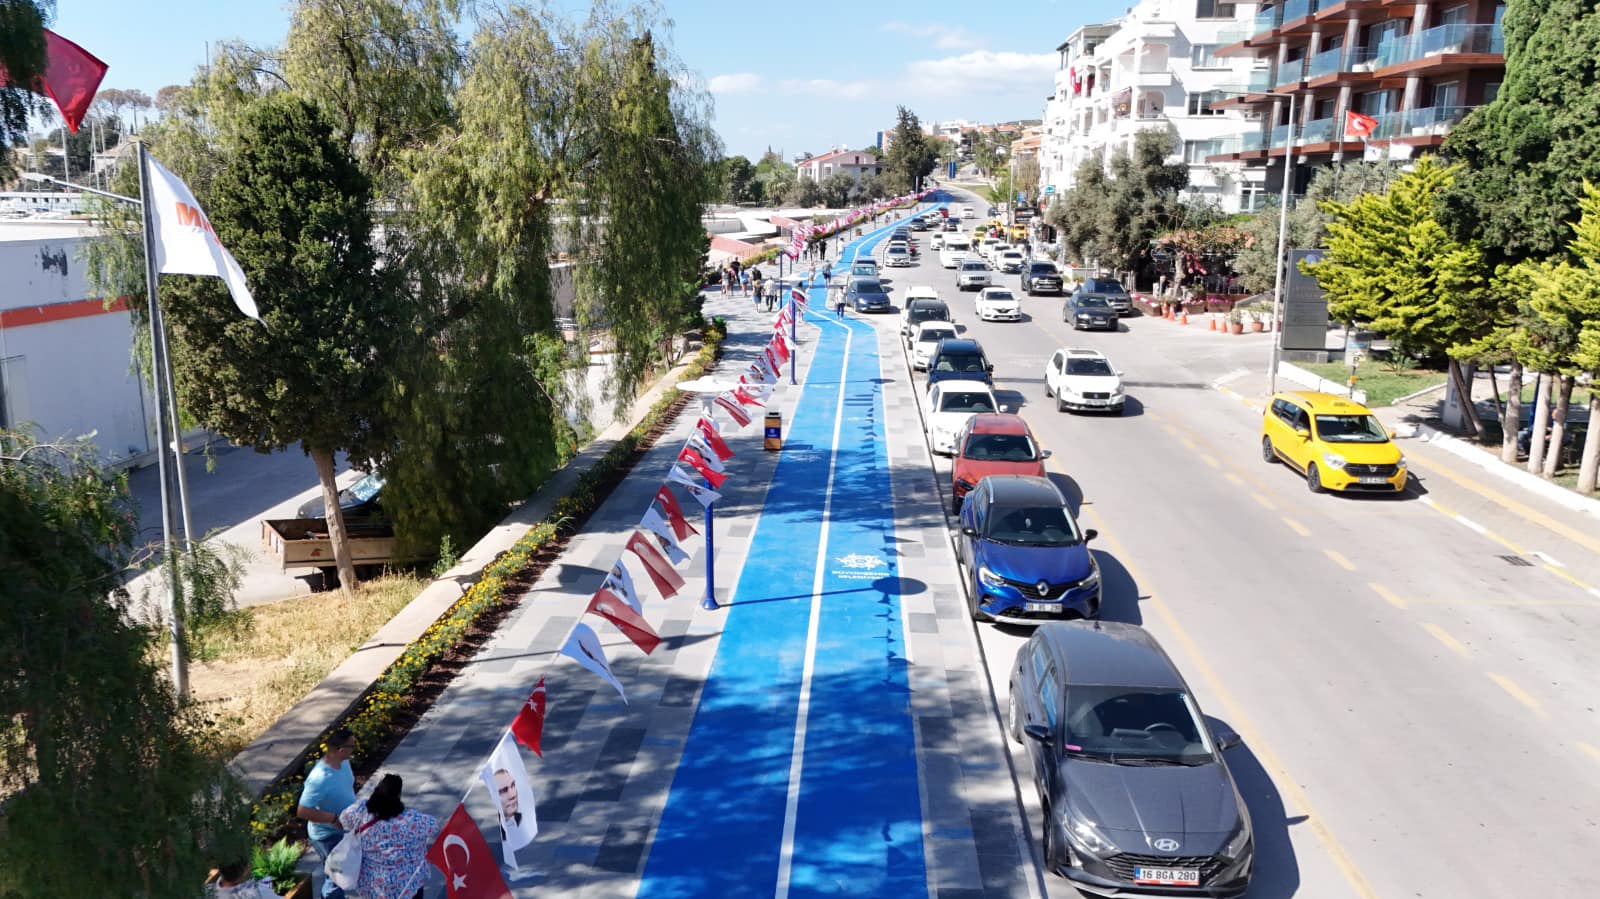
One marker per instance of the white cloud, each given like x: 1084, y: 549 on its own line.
x: 944, y: 37
x: 984, y: 71
x: 826, y: 87
x: 735, y: 83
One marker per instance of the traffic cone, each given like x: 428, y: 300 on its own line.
x: 1185, y: 319
x: 1211, y: 323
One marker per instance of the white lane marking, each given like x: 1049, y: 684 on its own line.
x: 1471, y: 525
x: 1546, y: 558
x: 1230, y: 377
x: 797, y: 752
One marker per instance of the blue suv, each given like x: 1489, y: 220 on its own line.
x: 1024, y: 553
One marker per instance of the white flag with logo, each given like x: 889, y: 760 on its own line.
x: 507, y: 779
x: 184, y: 243
x: 620, y: 582
x: 1398, y: 151
x: 584, y: 648
x: 653, y: 522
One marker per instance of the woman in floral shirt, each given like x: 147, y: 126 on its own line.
x: 394, y: 841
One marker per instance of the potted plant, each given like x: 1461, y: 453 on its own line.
x: 1258, y: 318
x: 1235, y: 320
x: 278, y: 863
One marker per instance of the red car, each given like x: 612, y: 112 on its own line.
x: 992, y: 443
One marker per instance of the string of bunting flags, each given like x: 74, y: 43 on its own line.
x: 658, y: 545
x: 802, y: 233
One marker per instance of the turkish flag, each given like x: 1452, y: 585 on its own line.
x: 662, y: 574
x: 462, y: 856
x: 780, y: 348
x: 633, y: 626
x: 746, y: 397
x: 1359, y: 126
x: 734, y: 410
x: 708, y: 430
x: 528, y: 726
x: 71, y: 77
x: 669, y: 503
x: 706, y: 471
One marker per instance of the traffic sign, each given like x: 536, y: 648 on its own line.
x: 1022, y: 197
x: 1049, y: 189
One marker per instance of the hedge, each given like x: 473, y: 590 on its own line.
x: 376, y: 711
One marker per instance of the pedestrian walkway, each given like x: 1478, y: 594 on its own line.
x: 826, y: 731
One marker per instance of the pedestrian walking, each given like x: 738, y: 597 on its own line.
x: 756, y: 278
x: 838, y: 302
x: 727, y: 281
x: 827, y: 272
x: 394, y: 841
x: 772, y: 295
x: 744, y: 281
x: 811, y: 275
x: 329, y: 789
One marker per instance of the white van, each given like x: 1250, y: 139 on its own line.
x: 955, y: 246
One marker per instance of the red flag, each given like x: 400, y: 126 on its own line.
x: 772, y: 358
x: 680, y: 525
x: 462, y: 856
x: 71, y: 77
x: 701, y: 465
x: 662, y: 574
x: 780, y: 345
x: 746, y: 397
x: 734, y: 410
x: 1357, y: 125
x: 633, y: 626
x: 528, y: 726
x: 708, y: 430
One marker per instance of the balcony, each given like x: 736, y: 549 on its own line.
x: 1427, y: 122
x: 1297, y: 9
x: 1339, y: 61
x: 1317, y: 131
x: 1445, y: 41
x: 1266, y: 21
x: 1233, y: 34
x: 1157, y: 78
x: 1290, y: 74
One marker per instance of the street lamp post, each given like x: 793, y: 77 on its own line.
x: 1281, y: 262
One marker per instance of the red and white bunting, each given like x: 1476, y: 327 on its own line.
x: 669, y: 504
x: 699, y: 463
x: 655, y: 524
x: 734, y: 410
x: 631, y: 623
x: 662, y: 574
x: 708, y: 430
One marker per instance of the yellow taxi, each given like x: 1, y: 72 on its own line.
x: 1019, y: 233
x: 1337, y: 443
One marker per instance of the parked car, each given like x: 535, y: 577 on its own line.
x: 897, y: 256
x: 921, y: 304
x: 1023, y: 552
x: 1115, y: 295
x: 925, y: 339
x: 867, y: 295
x: 968, y: 212
x: 1041, y: 277
x: 1088, y: 311
x: 998, y: 304
x: 992, y: 443
x: 1137, y: 798
x: 958, y: 360
x: 936, y: 241
x: 955, y: 248
x: 919, y: 223
x: 951, y: 225
x: 1082, y: 379
x: 1011, y: 261
x: 1336, y: 442
x: 864, y: 267
x: 950, y: 404
x: 973, y: 274
x: 360, y: 502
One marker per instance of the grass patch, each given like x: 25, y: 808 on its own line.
x: 1382, y: 384
x: 254, y: 673
x: 1580, y: 395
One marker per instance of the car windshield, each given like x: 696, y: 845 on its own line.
x: 972, y: 266
x: 1032, y: 526
x: 897, y: 251
x: 934, y: 335
x: 1133, y: 725
x: 1000, y: 448
x: 1042, y: 268
x: 1088, y: 367
x: 868, y: 287
x: 960, y: 401
x: 1093, y: 303
x: 1351, y: 429
x: 863, y: 268
x: 366, y: 488
x: 999, y: 295
x: 1103, y: 285
x: 959, y: 362
x: 927, y: 311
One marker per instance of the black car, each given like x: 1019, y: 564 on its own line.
x: 1111, y: 290
x: 962, y: 360
x: 1088, y: 311
x: 922, y: 310
x: 867, y: 295
x: 360, y: 502
x: 951, y: 224
x: 1041, y: 277
x: 1136, y: 796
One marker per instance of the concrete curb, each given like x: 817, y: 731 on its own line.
x: 1492, y: 464
x: 280, y: 747
x: 1316, y: 382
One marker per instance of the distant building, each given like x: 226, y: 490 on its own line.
x: 854, y: 163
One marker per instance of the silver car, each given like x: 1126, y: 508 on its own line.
x: 896, y: 257
x: 973, y: 274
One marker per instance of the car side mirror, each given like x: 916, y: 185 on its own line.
x: 1391, y: 435
x: 969, y: 531
x: 1045, y: 454
x: 1229, y: 739
x: 1119, y: 372
x: 989, y: 367
x: 1037, y: 732
x: 1305, y: 433
x: 1005, y: 408
x: 1090, y: 534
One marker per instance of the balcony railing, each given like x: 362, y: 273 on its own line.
x: 1438, y: 41
x: 1254, y: 140
x: 1298, y: 9
x: 1279, y: 137
x: 1339, y: 59
x: 1233, y: 34
x: 1290, y: 73
x: 1318, y: 131
x: 1429, y: 121
x: 1267, y: 20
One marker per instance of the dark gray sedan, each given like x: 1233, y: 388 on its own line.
x: 1088, y: 311
x: 1111, y: 290
x: 867, y: 295
x: 1136, y: 796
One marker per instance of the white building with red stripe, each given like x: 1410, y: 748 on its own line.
x: 66, y: 355
x: 854, y: 163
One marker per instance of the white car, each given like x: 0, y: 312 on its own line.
x: 897, y: 257
x: 1084, y: 380
x: 927, y: 337
x: 968, y: 212
x: 973, y: 274
x: 936, y: 241
x: 950, y: 404
x: 1011, y: 261
x: 955, y: 247
x: 998, y: 304
x: 987, y: 247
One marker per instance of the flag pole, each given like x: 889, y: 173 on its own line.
x: 177, y: 434
x: 180, y: 664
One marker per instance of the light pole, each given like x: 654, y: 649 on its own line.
x: 1282, y: 257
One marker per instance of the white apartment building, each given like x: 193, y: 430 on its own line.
x: 1157, y: 66
x: 854, y: 163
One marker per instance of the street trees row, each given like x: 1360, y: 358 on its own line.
x: 1113, y: 210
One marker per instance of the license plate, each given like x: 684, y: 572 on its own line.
x: 1041, y: 607
x: 1372, y: 479
x: 1173, y: 877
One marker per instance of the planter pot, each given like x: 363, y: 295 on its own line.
x: 1257, y: 327
x: 1235, y: 327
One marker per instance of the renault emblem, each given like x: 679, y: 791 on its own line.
x: 1165, y: 844
x: 1043, y: 587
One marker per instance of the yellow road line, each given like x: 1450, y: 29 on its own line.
x: 1526, y: 513
x: 1296, y: 526
x: 1444, y: 637
x: 1188, y: 444
x: 1210, y: 460
x: 1170, y: 429
x: 1237, y: 481
x: 1517, y: 693
x: 1339, y: 560
x: 1590, y: 751
x: 1265, y: 503
x: 1287, y: 786
x: 1564, y: 576
x: 1388, y: 595
x: 1503, y: 601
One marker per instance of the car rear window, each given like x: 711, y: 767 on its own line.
x: 1042, y: 268
x: 934, y: 335
x: 972, y: 266
x: 966, y: 402
x: 1000, y: 448
x: 1103, y: 285
x: 960, y: 362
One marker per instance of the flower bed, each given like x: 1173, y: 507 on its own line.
x: 385, y: 713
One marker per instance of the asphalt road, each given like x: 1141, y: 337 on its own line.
x: 1417, y: 707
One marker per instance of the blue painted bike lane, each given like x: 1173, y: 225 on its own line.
x: 855, y: 819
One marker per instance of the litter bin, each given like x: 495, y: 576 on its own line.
x: 774, y: 431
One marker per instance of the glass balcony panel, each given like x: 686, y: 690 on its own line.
x: 1290, y: 72
x: 1439, y: 41
x: 1429, y: 121
x: 1319, y: 131
x: 1325, y: 63
x: 1267, y: 20
x: 1278, y: 138
x: 1298, y: 9
x: 1255, y: 140
x: 1262, y: 81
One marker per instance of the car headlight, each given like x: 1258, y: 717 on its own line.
x: 1093, y: 580
x: 1117, y: 390
x: 1333, y: 460
x: 987, y: 576
x: 964, y: 484
x: 1088, y: 837
x: 1401, y: 464
x: 1238, y: 842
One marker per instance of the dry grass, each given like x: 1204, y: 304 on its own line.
x: 253, y: 676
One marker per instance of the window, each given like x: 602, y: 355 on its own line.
x: 1204, y: 56
x: 1212, y: 9
x: 1455, y: 15
x: 1490, y: 91
x: 1201, y: 103
x: 1196, y: 151
x: 1041, y: 660
x: 1049, y: 697
x: 1447, y: 94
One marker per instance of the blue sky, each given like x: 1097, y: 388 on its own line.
x: 796, y: 76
